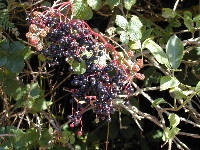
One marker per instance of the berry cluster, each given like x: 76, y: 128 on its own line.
x: 107, y: 74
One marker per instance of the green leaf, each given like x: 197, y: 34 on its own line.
x: 71, y: 139
x: 154, y: 135
x: 168, y: 13
x: 4, y: 45
x: 112, y: 3
x: 146, y: 34
x: 188, y: 20
x: 45, y: 138
x: 79, y: 68
x: 39, y: 104
x: 81, y: 10
x: 129, y: 3
x: 41, y: 57
x: 196, y: 18
x: 174, y: 120
x: 16, y: 47
x: 124, y: 38
x: 174, y: 23
x: 178, y: 93
x: 173, y: 132
x: 158, y: 101
x: 35, y: 90
x: 47, y: 4
x: 10, y: 86
x: 134, y: 28
x: 197, y: 89
x: 121, y: 22
x: 66, y: 133
x: 174, y: 50
x: 95, y: 4
x: 15, y: 63
x: 157, y: 51
x: 165, y: 136
x: 3, y: 59
x: 135, y: 44
x: 167, y: 82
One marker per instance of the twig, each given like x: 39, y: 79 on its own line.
x: 175, y: 5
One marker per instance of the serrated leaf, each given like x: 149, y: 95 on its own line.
x: 167, y: 82
x: 15, y: 63
x: 168, y: 13
x: 112, y: 3
x: 81, y: 10
x: 129, y: 3
x: 121, y: 22
x: 79, y: 68
x: 174, y: 50
x: 158, y: 101
x: 95, y: 4
x: 124, y: 37
x: 197, y: 89
x: 135, y: 23
x: 157, y: 51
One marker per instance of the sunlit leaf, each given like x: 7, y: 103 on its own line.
x: 121, y: 22
x: 129, y: 3
x: 167, y: 82
x: 158, y: 101
x: 174, y: 120
x: 157, y: 51
x: 197, y: 89
x: 95, y: 4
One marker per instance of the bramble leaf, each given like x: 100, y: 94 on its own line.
x: 121, y: 22
x: 95, y: 4
x: 81, y: 10
x: 129, y: 3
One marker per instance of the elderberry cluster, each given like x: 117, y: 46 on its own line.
x: 104, y: 79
